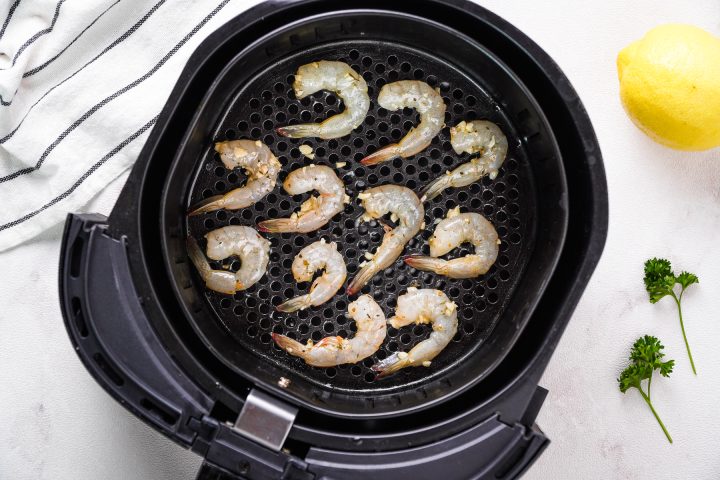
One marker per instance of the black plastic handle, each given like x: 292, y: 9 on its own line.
x: 106, y: 324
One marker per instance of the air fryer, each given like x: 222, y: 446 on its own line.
x: 201, y: 367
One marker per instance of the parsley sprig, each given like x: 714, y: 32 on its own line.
x: 646, y: 357
x: 660, y: 282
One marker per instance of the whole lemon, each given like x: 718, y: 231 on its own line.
x: 670, y: 86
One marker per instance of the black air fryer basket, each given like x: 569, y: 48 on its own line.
x: 201, y: 366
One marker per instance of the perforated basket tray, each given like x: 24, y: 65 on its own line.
x: 526, y: 203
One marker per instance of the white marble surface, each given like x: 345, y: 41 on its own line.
x: 58, y: 424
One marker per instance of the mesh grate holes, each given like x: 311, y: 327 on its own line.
x: 267, y: 103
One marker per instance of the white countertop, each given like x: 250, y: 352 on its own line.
x: 59, y: 424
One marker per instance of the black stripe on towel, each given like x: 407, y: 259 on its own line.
x: 84, y: 177
x: 115, y: 95
x: 117, y: 41
x: 4, y: 103
x: 39, y: 34
x: 7, y: 19
x: 35, y: 70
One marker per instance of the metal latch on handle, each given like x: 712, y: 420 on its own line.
x: 265, y: 420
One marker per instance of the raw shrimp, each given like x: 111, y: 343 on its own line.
x: 316, y: 211
x: 472, y: 137
x: 339, y: 78
x: 331, y: 351
x: 261, y: 167
x: 427, y: 101
x: 246, y: 243
x: 450, y: 233
x: 314, y: 257
x: 421, y: 306
x: 405, y: 207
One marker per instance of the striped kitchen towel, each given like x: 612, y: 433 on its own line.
x: 81, y: 84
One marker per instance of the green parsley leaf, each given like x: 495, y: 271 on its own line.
x: 660, y: 282
x: 659, y: 279
x: 646, y: 356
x: 686, y: 279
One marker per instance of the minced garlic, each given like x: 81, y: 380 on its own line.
x: 309, y: 204
x: 450, y: 307
x: 307, y: 150
x: 453, y: 212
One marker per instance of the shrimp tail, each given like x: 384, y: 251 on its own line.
x: 291, y: 346
x: 427, y: 264
x: 435, y: 188
x: 391, y: 364
x: 382, y: 155
x: 277, y: 225
x: 197, y: 257
x: 210, y: 204
x: 299, y: 131
x: 363, y: 277
x: 294, y: 304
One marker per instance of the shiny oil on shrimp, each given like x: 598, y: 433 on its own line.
x: 429, y: 104
x: 317, y: 256
x: 337, y: 77
x: 244, y: 242
x: 261, y: 167
x: 450, y: 233
x: 479, y: 136
x: 330, y: 351
x: 405, y: 207
x: 419, y: 306
x: 315, y: 211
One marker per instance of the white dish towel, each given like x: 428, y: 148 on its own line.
x: 81, y: 84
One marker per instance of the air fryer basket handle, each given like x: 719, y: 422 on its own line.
x: 104, y: 317
x: 106, y: 323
